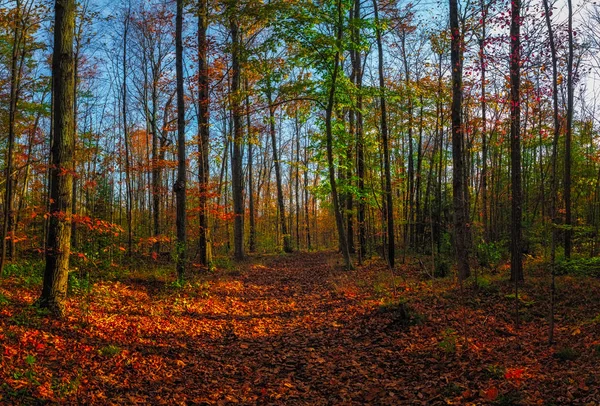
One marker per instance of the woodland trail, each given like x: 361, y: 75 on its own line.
x: 291, y: 330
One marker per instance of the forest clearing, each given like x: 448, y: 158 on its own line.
x: 298, y: 329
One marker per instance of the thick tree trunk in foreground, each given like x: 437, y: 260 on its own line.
x: 54, y: 290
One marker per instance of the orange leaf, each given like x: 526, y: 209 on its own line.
x: 491, y: 394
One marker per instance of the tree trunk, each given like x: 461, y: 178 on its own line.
x: 516, y: 273
x: 236, y: 156
x: 7, y: 236
x: 54, y: 290
x: 460, y: 209
x: 251, y: 205
x: 287, y: 242
x: 204, y: 241
x: 568, y: 138
x: 389, y: 208
x: 180, y: 183
x: 329, y: 135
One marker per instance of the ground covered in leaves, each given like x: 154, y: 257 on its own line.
x: 298, y: 329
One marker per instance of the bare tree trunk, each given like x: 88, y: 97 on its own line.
x: 251, y: 205
x: 7, y: 236
x: 287, y: 243
x: 128, y: 185
x: 54, y: 288
x: 236, y: 157
x: 568, y: 138
x: 515, y: 143
x: 460, y: 209
x: 484, y: 146
x: 360, y: 153
x: 389, y: 208
x: 203, y: 135
x: 180, y: 184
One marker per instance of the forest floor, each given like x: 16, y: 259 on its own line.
x: 297, y: 329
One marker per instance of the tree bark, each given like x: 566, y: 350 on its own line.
x: 287, y: 241
x: 329, y: 135
x: 460, y: 209
x: 568, y: 138
x: 54, y: 290
x: 204, y: 241
x: 516, y: 273
x: 389, y: 208
x: 180, y: 183
x: 236, y: 156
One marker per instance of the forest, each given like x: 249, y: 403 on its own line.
x: 300, y: 202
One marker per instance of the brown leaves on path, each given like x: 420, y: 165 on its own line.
x: 295, y: 330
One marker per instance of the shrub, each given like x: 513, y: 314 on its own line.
x: 579, y: 266
x: 442, y: 268
x: 489, y: 254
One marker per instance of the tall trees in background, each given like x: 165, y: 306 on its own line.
x: 317, y: 105
x: 54, y: 289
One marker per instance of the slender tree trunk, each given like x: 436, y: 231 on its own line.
x: 128, y: 184
x: 460, y: 207
x: 554, y: 177
x: 7, y: 236
x: 389, y: 208
x: 180, y: 183
x: 54, y: 288
x: 236, y: 157
x: 484, y: 146
x: 409, y: 230
x: 515, y: 143
x: 568, y: 138
x: 287, y: 243
x: 204, y: 241
x: 251, y: 205
x: 329, y: 135
x: 360, y: 153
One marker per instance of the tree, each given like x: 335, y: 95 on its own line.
x: 204, y: 243
x: 569, y: 137
x: 343, y: 242
x: 287, y: 240
x: 180, y: 184
x: 388, y: 198
x: 516, y: 263
x: 458, y: 177
x: 54, y: 288
x: 236, y: 156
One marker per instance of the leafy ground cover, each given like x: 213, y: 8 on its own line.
x: 299, y: 330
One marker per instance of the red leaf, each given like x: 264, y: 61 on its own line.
x: 491, y: 394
